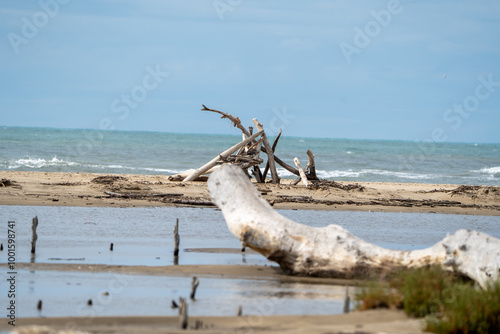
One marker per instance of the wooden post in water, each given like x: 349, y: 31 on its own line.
x: 194, y: 286
x: 111, y: 247
x: 177, y: 240
x: 34, y: 236
x: 347, y: 300
x: 183, y: 317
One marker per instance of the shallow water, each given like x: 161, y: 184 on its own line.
x: 144, y: 236
x: 67, y: 294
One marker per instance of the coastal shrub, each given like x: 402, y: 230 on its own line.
x: 378, y: 294
x: 450, y: 303
x: 468, y: 309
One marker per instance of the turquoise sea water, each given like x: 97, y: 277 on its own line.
x: 70, y: 150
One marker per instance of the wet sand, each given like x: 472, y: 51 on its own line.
x: 127, y: 190
x: 378, y: 321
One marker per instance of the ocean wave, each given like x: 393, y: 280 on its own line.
x: 349, y: 173
x: 488, y: 170
x: 37, y: 163
x: 364, y: 172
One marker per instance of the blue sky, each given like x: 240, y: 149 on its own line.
x: 408, y: 70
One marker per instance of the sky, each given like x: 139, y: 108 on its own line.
x: 398, y: 70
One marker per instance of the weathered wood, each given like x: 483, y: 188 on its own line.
x: 177, y: 238
x: 311, y: 167
x: 286, y: 166
x: 303, y: 175
x: 270, y: 155
x: 194, y: 286
x: 34, y: 235
x: 182, y: 176
x: 139, y: 195
x: 273, y: 148
x: 347, y: 301
x: 221, y: 156
x: 332, y: 251
x: 183, y: 316
x: 236, y: 121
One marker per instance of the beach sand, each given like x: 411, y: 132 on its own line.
x: 100, y: 190
x: 126, y: 190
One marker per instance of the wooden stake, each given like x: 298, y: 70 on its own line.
x: 240, y: 311
x: 183, y: 317
x: 347, y: 300
x: 222, y: 156
x: 39, y: 305
x: 274, y: 173
x: 1, y: 247
x: 301, y: 171
x: 34, y: 236
x: 177, y: 238
x: 194, y: 286
x: 111, y: 247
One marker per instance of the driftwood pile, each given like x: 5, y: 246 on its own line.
x: 246, y: 155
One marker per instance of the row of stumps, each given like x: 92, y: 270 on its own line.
x: 34, y: 236
x: 183, y: 306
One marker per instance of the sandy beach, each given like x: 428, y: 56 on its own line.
x: 127, y: 190
x: 104, y: 190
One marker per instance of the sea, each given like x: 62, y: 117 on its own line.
x: 158, y: 153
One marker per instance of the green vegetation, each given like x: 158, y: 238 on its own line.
x: 450, y: 303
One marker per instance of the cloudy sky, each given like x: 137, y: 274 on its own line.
x: 408, y: 70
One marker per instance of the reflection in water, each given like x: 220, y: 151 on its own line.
x: 68, y: 293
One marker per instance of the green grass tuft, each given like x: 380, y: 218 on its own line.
x: 450, y: 304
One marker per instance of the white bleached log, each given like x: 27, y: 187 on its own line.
x: 301, y: 171
x: 332, y: 251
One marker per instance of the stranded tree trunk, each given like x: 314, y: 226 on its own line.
x: 332, y: 251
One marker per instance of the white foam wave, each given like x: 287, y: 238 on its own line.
x: 349, y: 173
x: 39, y: 163
x: 355, y: 174
x: 488, y: 170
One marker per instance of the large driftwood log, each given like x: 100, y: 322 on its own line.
x: 333, y: 251
x: 223, y: 155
